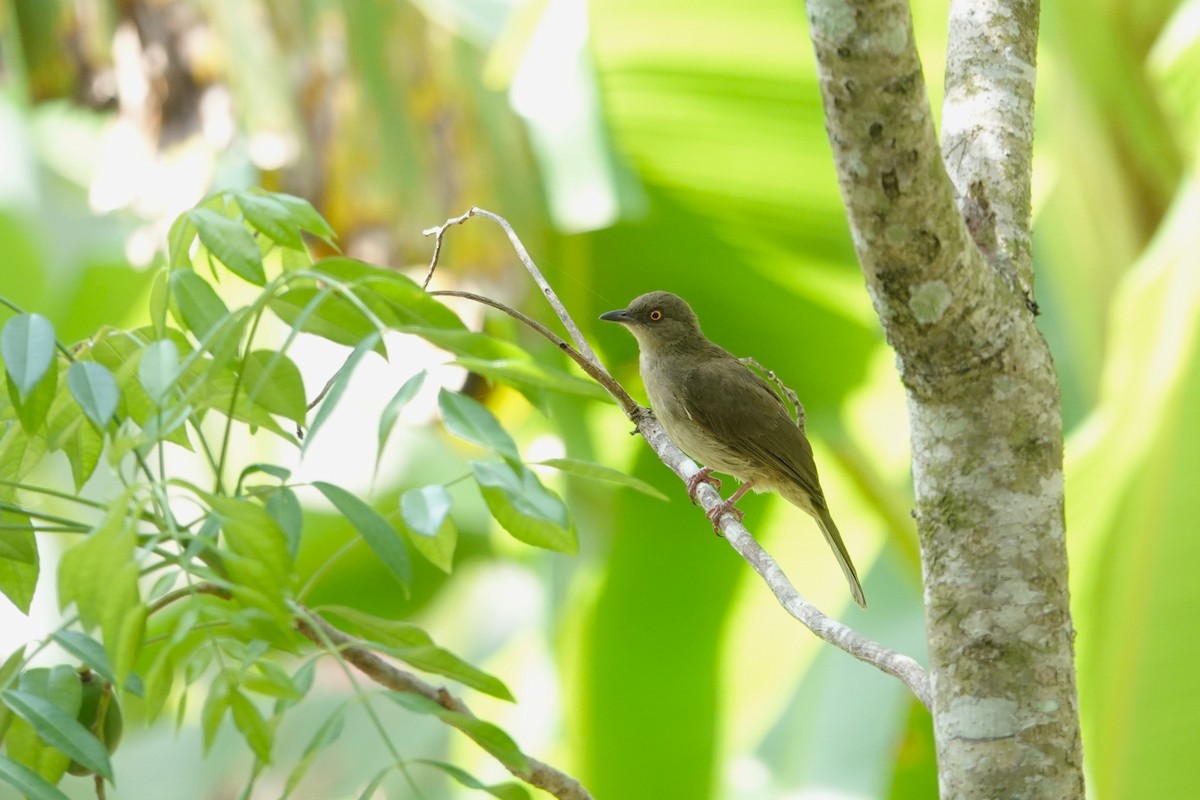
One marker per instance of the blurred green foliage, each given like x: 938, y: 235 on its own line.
x: 639, y: 146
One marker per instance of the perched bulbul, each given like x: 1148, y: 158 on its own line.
x: 724, y: 415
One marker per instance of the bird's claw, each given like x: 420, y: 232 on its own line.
x: 703, y: 476
x: 714, y: 514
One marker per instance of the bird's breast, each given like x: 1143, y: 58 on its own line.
x: 695, y: 439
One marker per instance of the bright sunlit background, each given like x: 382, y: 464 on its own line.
x: 638, y: 145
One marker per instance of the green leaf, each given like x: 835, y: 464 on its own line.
x: 469, y: 419
x: 87, y: 650
x: 598, y: 472
x: 215, y: 704
x: 129, y: 643
x: 231, y: 243
x: 305, y: 216
x: 270, y: 217
x: 218, y: 394
x: 471, y: 344
x: 82, y: 444
x: 200, y: 309
x: 326, y: 734
x: 340, y: 381
x: 426, y: 514
x: 69, y: 431
x: 11, y: 665
x: 524, y: 507
x: 425, y: 509
x: 121, y: 352
x: 393, y: 633
x: 31, y: 785
x: 324, y: 313
x: 378, y: 533
x: 284, y: 507
x: 258, y: 559
x: 485, y: 734
x: 505, y: 791
x: 272, y: 381
x: 158, y: 369
x: 373, y: 786
x: 179, y: 243
x: 19, y: 453
x: 99, y: 575
x: 160, y: 301
x: 19, y: 566
x: 254, y: 729
x: 27, y: 344
x: 399, y: 297
x: 435, y: 660
x: 271, y: 680
x: 62, y: 688
x: 1132, y: 502
x: 23, y: 742
x: 414, y: 646
x: 165, y: 426
x: 524, y: 373
x: 391, y: 412
x: 60, y: 730
x: 14, y: 662
x: 274, y: 470
x: 95, y: 389
x: 32, y: 408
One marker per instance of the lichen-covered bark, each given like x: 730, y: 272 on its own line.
x: 947, y: 272
x: 987, y: 127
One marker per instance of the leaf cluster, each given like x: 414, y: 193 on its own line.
x: 171, y: 583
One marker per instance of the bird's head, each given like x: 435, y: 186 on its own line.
x: 659, y: 320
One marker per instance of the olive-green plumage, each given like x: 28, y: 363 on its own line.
x: 724, y: 415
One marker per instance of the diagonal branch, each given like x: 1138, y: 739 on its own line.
x: 316, y: 629
x: 907, y: 670
x: 843, y: 637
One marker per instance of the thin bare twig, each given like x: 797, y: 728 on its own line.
x: 593, y: 369
x: 900, y: 666
x: 188, y: 591
x: 316, y: 629
x: 581, y: 344
x: 438, y: 234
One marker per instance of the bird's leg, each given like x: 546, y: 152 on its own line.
x: 729, y: 505
x: 703, y: 476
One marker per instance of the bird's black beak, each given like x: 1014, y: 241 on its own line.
x: 617, y: 316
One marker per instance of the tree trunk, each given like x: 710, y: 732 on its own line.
x: 948, y: 267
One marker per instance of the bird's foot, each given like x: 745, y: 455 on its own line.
x: 730, y: 505
x: 714, y: 514
x: 703, y: 476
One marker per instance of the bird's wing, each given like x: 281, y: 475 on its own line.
x: 743, y: 411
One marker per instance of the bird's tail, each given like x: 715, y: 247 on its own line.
x: 843, y: 557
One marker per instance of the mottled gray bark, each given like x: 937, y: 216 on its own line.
x: 945, y: 248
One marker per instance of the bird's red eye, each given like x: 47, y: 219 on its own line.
x: 655, y: 315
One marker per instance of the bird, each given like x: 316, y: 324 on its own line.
x: 721, y: 413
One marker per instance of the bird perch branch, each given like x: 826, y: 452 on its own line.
x: 907, y: 670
